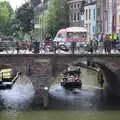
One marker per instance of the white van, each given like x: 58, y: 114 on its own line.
x: 72, y: 34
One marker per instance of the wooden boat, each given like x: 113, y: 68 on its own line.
x: 71, y: 79
x: 7, y: 77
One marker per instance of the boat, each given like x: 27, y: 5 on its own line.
x: 71, y: 79
x: 7, y: 77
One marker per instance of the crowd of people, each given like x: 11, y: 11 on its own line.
x: 100, y: 43
x: 104, y: 43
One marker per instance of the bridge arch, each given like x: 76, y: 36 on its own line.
x: 42, y: 69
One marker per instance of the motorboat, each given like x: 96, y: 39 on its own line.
x: 7, y: 77
x: 71, y: 79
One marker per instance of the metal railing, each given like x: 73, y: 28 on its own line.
x: 49, y: 48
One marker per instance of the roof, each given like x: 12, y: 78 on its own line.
x: 76, y: 29
x: 73, y: 29
x: 62, y: 30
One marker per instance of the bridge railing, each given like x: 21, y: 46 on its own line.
x: 48, y: 47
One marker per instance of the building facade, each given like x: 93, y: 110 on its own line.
x: 106, y: 16
x: 90, y: 17
x: 101, y: 15
x: 109, y: 18
x: 118, y: 17
x: 76, y: 12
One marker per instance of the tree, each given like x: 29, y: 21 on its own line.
x: 24, y: 19
x: 57, y: 17
x: 6, y: 14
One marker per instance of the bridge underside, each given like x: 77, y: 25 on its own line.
x: 42, y: 69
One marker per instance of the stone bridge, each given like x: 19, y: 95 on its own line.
x: 42, y: 69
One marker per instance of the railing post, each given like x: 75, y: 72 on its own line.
x: 17, y: 47
x: 36, y: 47
x: 54, y: 47
x: 73, y: 47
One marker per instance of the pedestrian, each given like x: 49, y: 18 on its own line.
x: 114, y: 38
x: 100, y: 43
x: 91, y: 46
x: 107, y: 44
x: 95, y: 44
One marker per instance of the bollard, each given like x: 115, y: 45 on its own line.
x: 73, y: 46
x: 45, y: 97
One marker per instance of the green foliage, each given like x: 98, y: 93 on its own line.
x: 23, y: 22
x: 6, y: 14
x: 24, y: 18
x: 57, y: 17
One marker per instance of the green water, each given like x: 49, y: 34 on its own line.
x: 61, y: 115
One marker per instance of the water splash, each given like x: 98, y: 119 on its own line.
x: 19, y: 96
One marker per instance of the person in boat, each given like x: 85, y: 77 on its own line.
x: 65, y: 78
x: 77, y: 78
x: 74, y: 72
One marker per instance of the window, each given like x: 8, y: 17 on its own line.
x: 89, y: 27
x: 94, y: 15
x: 74, y: 16
x: 60, y: 35
x: 78, y: 16
x: 93, y: 29
x: 71, y: 17
x: 98, y: 11
x: 89, y: 14
x: 76, y: 35
x: 74, y: 5
x: 86, y: 14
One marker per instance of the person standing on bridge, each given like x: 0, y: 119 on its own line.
x: 101, y: 42
x: 91, y: 46
x: 95, y: 44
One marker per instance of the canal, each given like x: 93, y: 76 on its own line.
x: 89, y: 103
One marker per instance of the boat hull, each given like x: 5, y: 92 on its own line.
x: 8, y: 83
x: 71, y: 85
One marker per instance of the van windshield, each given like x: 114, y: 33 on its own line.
x: 61, y: 35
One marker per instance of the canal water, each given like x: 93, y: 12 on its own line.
x: 89, y: 103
